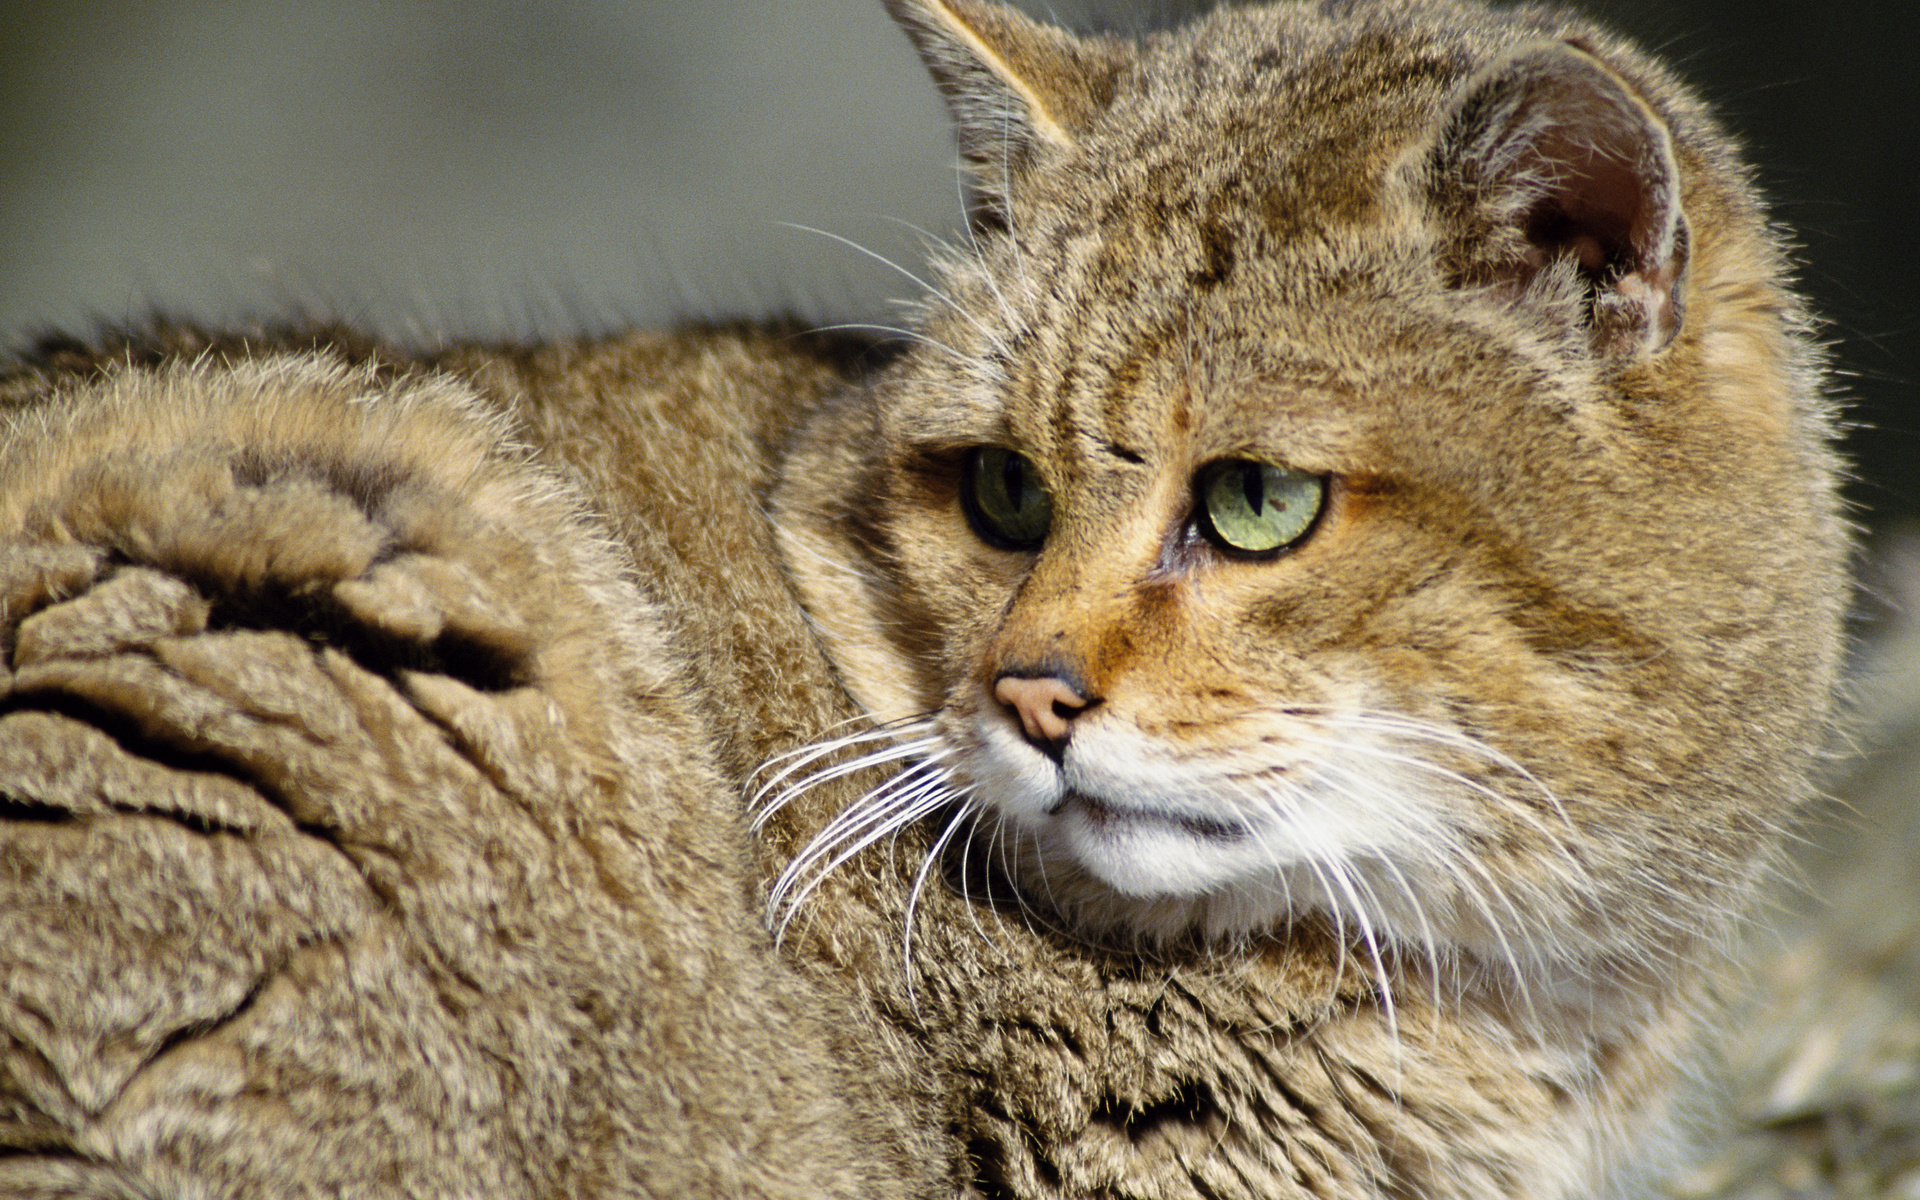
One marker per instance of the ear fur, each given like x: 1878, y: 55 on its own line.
x: 1013, y: 85
x: 1550, y: 157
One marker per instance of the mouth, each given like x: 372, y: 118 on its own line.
x: 1107, y: 818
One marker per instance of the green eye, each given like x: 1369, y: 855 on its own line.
x: 1256, y: 508
x: 1003, y: 499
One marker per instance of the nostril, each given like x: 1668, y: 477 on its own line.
x: 1045, y: 706
x: 1053, y: 748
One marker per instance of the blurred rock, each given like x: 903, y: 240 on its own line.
x: 1824, y: 1064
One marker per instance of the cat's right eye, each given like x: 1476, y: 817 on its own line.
x: 1253, y: 508
x: 1004, y: 502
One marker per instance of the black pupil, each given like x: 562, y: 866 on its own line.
x: 1013, y: 481
x: 1251, y: 483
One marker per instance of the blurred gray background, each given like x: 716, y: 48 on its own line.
x: 504, y: 167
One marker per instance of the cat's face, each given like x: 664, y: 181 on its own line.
x: 1268, y: 530
x: 1286, y: 581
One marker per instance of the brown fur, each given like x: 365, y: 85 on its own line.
x: 379, y: 724
x: 348, y: 850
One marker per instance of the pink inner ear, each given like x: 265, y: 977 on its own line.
x: 1590, y: 252
x: 1565, y: 149
x: 1597, y: 201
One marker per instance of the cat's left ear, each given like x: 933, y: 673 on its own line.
x: 1551, y: 163
x: 1015, y: 87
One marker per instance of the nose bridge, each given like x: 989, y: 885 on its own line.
x: 1084, y: 612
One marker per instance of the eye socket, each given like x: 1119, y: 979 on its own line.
x: 1256, y: 508
x: 1004, y: 502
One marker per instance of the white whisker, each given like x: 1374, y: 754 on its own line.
x: 972, y: 909
x: 979, y: 326
x: 852, y: 766
x: 802, y: 757
x: 917, y: 792
x: 1446, y: 852
x: 913, y: 899
x: 912, y: 335
x: 1443, y: 735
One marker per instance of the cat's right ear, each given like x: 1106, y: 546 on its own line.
x: 1557, y: 174
x: 1016, y: 88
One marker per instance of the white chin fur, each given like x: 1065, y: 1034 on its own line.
x: 1149, y: 857
x: 1136, y: 838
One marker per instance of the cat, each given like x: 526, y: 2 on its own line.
x: 1282, y: 684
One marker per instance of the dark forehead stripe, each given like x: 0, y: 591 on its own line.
x: 1218, y: 251
x: 1128, y: 385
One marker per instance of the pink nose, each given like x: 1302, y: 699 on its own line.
x: 1046, y: 706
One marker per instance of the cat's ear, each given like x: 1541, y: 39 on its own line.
x: 1015, y: 86
x: 1558, y: 173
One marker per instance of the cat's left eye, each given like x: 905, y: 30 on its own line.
x: 1256, y: 508
x: 1001, y: 493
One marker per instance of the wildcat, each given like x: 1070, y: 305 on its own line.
x: 1282, y: 686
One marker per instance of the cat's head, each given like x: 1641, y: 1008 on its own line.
x: 1364, y: 461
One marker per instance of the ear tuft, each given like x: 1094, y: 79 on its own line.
x: 1014, y: 86
x: 1550, y: 158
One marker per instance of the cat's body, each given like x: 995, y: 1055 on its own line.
x: 1350, y: 559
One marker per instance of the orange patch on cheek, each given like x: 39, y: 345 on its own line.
x: 1153, y: 619
x: 1130, y: 637
x: 1352, y: 500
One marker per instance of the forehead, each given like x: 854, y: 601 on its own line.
x: 1238, y: 152
x: 1188, y: 330
x: 1326, y: 389
x: 1281, y: 105
x: 1240, y: 239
